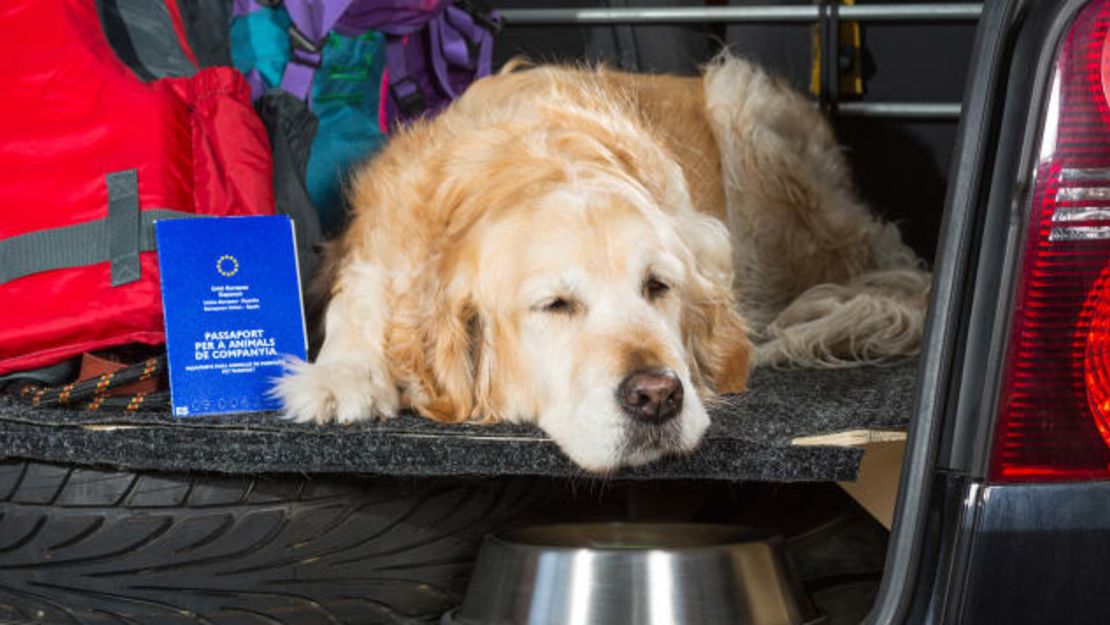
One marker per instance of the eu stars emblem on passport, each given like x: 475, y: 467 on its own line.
x: 231, y: 297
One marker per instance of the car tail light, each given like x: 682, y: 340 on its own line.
x: 1055, y: 402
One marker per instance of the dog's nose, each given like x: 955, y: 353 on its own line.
x: 652, y: 396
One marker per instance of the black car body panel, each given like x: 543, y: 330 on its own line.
x: 1039, y: 555
x: 963, y: 550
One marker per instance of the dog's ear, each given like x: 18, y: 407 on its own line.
x: 717, y: 339
x: 454, y: 336
x: 715, y: 334
x: 458, y: 359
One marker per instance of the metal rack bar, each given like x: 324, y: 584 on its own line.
x: 954, y: 12
x: 675, y: 15
x: 907, y: 110
x: 829, y: 27
x: 817, y: 13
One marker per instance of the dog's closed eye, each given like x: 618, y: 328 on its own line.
x: 559, y: 305
x: 654, y: 288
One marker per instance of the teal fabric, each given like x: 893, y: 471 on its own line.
x: 259, y: 43
x: 346, y: 93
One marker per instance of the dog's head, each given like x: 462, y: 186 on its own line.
x: 579, y: 290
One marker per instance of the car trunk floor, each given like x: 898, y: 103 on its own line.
x: 751, y: 436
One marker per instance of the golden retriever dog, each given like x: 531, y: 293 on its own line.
x: 594, y: 252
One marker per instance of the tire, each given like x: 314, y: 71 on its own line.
x: 103, y: 546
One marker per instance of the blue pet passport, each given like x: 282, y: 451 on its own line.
x: 231, y: 298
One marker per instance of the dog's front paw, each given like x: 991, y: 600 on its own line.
x: 339, y: 392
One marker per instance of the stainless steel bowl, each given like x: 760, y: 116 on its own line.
x: 633, y: 574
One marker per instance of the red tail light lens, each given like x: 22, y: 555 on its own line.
x: 1096, y: 365
x: 1055, y: 403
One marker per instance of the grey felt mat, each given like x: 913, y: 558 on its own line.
x: 749, y: 438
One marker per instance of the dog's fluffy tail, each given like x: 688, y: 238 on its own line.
x: 823, y: 281
x: 877, y: 315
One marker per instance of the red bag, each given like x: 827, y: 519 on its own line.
x: 90, y: 156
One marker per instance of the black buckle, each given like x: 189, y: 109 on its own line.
x: 412, y: 103
x: 270, y: 4
x: 482, y: 14
x: 301, y: 47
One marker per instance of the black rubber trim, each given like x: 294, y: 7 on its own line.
x: 905, y: 555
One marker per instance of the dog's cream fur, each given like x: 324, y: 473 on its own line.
x: 556, y: 229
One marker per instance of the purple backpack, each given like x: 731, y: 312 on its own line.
x: 434, y: 48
